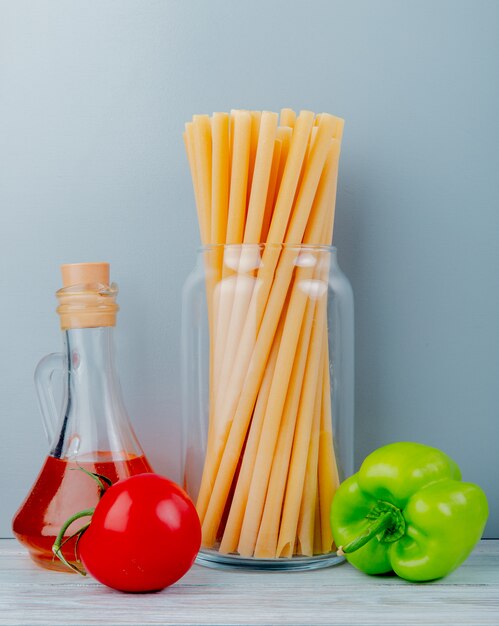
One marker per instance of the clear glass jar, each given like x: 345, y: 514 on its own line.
x: 267, y: 346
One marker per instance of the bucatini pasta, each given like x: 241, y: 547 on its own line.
x: 270, y: 471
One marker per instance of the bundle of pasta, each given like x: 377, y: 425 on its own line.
x: 265, y: 190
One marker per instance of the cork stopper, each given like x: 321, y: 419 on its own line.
x: 87, y: 299
x: 84, y: 273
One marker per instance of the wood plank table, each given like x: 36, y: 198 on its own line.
x: 338, y: 595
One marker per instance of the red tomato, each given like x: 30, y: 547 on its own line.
x: 144, y: 535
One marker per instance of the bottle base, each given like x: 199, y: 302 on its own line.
x: 49, y: 563
x: 215, y: 560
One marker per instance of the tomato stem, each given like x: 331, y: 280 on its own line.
x: 103, y: 481
x: 59, y: 542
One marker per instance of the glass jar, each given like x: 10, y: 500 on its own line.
x: 267, y: 347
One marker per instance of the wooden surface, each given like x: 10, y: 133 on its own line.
x: 338, y: 595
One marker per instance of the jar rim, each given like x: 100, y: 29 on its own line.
x: 282, y: 246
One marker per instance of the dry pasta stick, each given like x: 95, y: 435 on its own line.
x: 239, y: 177
x: 318, y: 155
x: 189, y: 146
x: 273, y: 413
x: 269, y: 528
x: 287, y: 538
x: 267, y: 538
x: 279, y: 289
x: 280, y: 281
x: 323, y: 197
x: 205, y: 236
x: 256, y: 365
x: 277, y: 398
x: 298, y: 463
x: 288, y: 117
x: 290, y: 177
x: 266, y: 543
x: 328, y: 470
x: 284, y: 133
x: 311, y: 139
x: 202, y: 153
x: 261, y: 177
x: 220, y: 177
x: 263, y: 161
x: 250, y: 258
x: 281, y: 226
x: 269, y: 202
x: 317, y: 527
x: 231, y: 138
x: 280, y: 390
x: 306, y: 519
x: 327, y: 475
x: 233, y: 525
x: 189, y: 141
x: 235, y: 228
x: 194, y: 181
x: 201, y: 136
x: 219, y: 209
x: 265, y: 275
x: 255, y: 131
x: 293, y: 163
x: 203, y: 209
x: 229, y: 453
x: 202, y: 145
x: 284, y: 140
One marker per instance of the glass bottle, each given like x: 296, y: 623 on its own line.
x: 268, y: 375
x: 92, y: 430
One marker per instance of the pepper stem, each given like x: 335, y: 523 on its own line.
x: 382, y: 523
x: 59, y: 542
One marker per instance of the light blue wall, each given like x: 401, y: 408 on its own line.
x: 93, y: 98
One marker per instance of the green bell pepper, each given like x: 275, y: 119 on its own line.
x: 407, y: 511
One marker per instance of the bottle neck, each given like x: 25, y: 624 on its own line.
x: 90, y: 357
x: 95, y: 419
